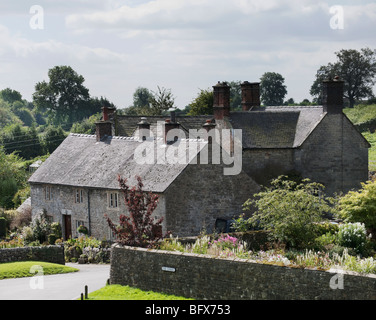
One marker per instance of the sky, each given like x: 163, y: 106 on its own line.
x: 180, y: 45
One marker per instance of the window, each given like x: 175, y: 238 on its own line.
x: 79, y: 223
x: 48, y: 193
x: 79, y: 196
x: 113, y: 200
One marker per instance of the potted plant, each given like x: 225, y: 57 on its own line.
x: 82, y: 230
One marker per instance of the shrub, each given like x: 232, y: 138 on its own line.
x: 360, y: 206
x: 83, y: 230
x: 290, y: 210
x: 40, y: 227
x: 353, y: 235
x: 21, y: 219
x: 138, y: 229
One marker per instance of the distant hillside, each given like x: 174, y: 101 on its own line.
x: 364, y: 118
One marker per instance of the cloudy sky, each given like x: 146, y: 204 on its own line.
x: 182, y: 45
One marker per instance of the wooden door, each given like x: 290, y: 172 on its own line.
x: 67, y: 226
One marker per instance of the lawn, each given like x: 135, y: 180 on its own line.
x: 22, y: 269
x: 118, y: 292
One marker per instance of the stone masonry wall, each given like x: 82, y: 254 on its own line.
x: 335, y: 155
x: 94, y: 202
x: 201, y: 194
x: 52, y: 254
x: 202, y: 277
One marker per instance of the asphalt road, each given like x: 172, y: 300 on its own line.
x: 67, y: 286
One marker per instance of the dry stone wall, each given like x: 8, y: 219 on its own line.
x: 202, y: 277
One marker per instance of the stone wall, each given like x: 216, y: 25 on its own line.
x: 203, y: 277
x: 201, y: 194
x: 90, y: 211
x: 335, y: 155
x: 52, y: 254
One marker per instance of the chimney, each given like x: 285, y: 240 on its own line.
x: 250, y: 95
x: 169, y: 125
x: 221, y: 103
x: 332, y: 95
x: 208, y: 126
x: 143, y: 129
x: 104, y: 127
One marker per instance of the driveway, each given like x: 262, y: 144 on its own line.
x: 68, y: 286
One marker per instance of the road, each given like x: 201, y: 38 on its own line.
x: 67, y: 286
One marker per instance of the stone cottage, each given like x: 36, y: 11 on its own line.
x: 184, y: 160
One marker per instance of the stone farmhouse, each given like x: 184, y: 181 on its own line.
x: 77, y: 184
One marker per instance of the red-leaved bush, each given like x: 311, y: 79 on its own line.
x: 139, y: 229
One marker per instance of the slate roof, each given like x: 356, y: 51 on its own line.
x: 277, y: 127
x: 81, y: 161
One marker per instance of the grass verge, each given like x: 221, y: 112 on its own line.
x: 23, y: 268
x: 118, y: 292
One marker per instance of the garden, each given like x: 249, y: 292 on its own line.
x: 300, y: 227
x: 295, y: 223
x: 17, y: 229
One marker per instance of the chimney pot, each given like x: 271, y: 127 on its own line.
x: 170, y: 126
x: 143, y: 129
x: 105, y: 113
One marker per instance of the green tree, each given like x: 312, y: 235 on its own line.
x: 290, y: 210
x: 24, y: 141
x: 63, y: 97
x: 202, y: 104
x: 12, y: 177
x: 162, y: 100
x: 10, y: 95
x: 356, y: 68
x: 235, y: 95
x: 272, y: 89
x: 52, y: 138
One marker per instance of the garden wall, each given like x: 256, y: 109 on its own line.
x: 203, y: 277
x: 53, y: 254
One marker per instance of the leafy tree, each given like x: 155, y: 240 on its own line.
x: 272, y: 89
x: 202, y: 104
x: 64, y: 96
x: 24, y: 141
x: 52, y: 138
x: 139, y: 228
x: 26, y: 116
x: 356, y: 68
x: 235, y: 95
x: 290, y: 210
x: 142, y: 97
x: 10, y: 95
x: 87, y: 126
x: 12, y: 177
x: 162, y: 100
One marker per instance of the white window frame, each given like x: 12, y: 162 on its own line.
x: 47, y: 193
x: 79, y: 196
x: 113, y: 200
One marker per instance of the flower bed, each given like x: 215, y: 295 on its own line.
x: 227, y: 246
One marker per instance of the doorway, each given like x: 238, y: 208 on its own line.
x: 67, y: 223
